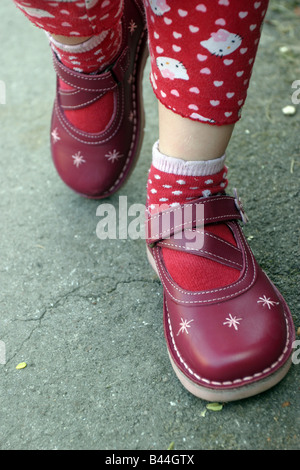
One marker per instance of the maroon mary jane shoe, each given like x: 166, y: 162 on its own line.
x: 226, y: 343
x: 96, y: 165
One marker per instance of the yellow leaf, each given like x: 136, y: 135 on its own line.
x: 214, y: 406
x: 22, y: 365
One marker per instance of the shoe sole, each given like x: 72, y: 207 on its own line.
x: 234, y: 394
x: 230, y: 394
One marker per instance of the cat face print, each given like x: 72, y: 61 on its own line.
x: 159, y: 7
x: 222, y: 43
x: 171, y: 68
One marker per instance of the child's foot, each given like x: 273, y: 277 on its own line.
x: 229, y: 332
x: 97, y: 122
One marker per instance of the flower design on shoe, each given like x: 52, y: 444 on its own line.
x: 78, y: 159
x: 113, y: 156
x: 267, y: 301
x: 184, y: 325
x: 132, y: 27
x: 232, y: 321
x: 55, y: 136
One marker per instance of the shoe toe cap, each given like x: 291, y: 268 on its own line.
x: 233, y: 343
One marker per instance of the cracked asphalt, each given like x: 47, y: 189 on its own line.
x: 86, y: 314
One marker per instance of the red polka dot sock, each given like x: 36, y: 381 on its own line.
x: 173, y: 181
x: 91, y: 56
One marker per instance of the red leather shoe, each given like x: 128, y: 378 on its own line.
x: 228, y: 343
x: 97, y: 165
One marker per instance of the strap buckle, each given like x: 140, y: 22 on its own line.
x: 240, y: 207
x: 118, y: 69
x: 110, y: 69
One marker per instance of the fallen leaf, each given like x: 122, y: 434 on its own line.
x: 289, y: 110
x: 283, y: 49
x: 214, y: 406
x: 22, y: 365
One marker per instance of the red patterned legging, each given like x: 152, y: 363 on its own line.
x: 202, y: 51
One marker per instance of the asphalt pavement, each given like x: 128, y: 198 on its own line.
x: 85, y: 314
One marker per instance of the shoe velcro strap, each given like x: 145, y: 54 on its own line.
x: 77, y: 99
x: 197, y: 213
x: 106, y: 81
x: 205, y: 244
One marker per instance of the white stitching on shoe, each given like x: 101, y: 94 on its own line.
x: 134, y: 126
x: 86, y: 77
x: 194, y: 221
x: 200, y: 250
x: 81, y: 105
x: 182, y: 291
x: 228, y: 382
x: 67, y: 126
x: 208, y: 234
